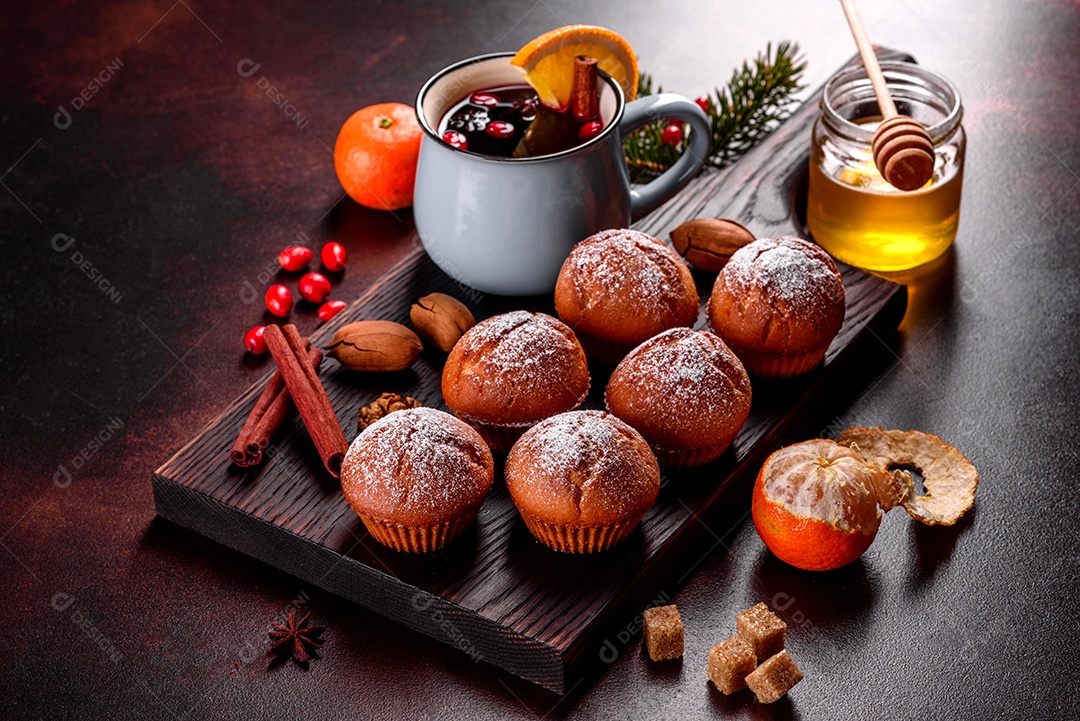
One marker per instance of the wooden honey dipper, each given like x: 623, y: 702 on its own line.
x: 903, y: 150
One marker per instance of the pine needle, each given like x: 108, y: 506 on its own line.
x: 758, y: 98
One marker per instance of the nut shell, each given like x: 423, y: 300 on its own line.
x: 441, y: 320
x: 708, y: 243
x: 374, y: 346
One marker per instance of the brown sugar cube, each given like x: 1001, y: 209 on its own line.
x: 762, y: 629
x: 774, y: 678
x: 729, y: 663
x: 663, y: 633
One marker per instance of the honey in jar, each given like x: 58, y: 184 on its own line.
x: 851, y: 210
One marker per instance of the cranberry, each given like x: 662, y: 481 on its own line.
x: 484, y: 100
x: 331, y: 308
x: 254, y: 341
x: 499, y: 129
x: 456, y: 139
x: 590, y: 130
x: 704, y: 103
x: 334, y: 257
x: 672, y: 134
x: 295, y: 257
x: 314, y: 287
x: 279, y: 300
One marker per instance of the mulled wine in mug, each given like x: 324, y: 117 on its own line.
x: 505, y: 188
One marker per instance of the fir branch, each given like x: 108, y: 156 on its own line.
x: 758, y: 97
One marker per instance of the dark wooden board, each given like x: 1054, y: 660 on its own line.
x: 496, y: 593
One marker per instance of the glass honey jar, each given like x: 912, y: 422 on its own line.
x: 851, y: 210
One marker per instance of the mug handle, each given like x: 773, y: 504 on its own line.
x: 649, y: 109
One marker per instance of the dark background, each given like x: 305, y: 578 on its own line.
x: 179, y: 180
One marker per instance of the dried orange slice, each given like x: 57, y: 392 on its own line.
x: 548, y: 61
x: 949, y: 478
x: 815, y: 504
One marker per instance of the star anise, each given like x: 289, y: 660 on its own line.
x: 295, y: 637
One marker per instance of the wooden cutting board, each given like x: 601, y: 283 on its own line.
x: 495, y: 593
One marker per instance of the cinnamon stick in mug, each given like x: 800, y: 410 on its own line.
x: 584, y: 93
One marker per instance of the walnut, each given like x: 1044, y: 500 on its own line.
x: 384, y: 405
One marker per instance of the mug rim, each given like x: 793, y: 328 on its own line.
x: 620, y: 106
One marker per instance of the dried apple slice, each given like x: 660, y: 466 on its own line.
x: 949, y: 478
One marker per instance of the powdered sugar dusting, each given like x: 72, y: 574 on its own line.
x: 522, y: 342
x: 636, y: 267
x: 570, y: 441
x: 592, y: 454
x: 522, y: 361
x: 794, y: 273
x: 687, y: 368
x: 683, y: 373
x: 419, y: 461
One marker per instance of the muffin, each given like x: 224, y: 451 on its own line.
x: 778, y: 303
x: 621, y: 287
x: 416, y: 478
x: 511, y: 371
x: 685, y: 392
x: 582, y: 480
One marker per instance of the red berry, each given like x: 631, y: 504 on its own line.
x: 334, y: 257
x: 254, y: 341
x: 484, y: 100
x: 295, y: 257
x: 499, y: 129
x: 590, y: 130
x: 278, y: 300
x: 456, y: 139
x: 672, y: 134
x: 331, y: 308
x: 314, y: 287
x: 704, y: 103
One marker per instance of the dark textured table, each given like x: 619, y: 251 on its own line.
x: 149, y: 176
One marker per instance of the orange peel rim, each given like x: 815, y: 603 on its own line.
x: 949, y: 478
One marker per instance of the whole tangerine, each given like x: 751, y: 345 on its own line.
x: 375, y: 155
x: 815, y: 504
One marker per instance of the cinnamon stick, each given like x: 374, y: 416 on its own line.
x: 584, y: 93
x: 271, y: 409
x: 287, y: 349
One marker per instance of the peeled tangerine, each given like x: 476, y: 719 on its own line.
x: 817, y: 504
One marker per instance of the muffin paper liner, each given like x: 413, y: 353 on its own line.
x: 501, y: 437
x: 579, y: 539
x: 601, y: 351
x: 765, y: 365
x: 692, y: 458
x: 417, y: 539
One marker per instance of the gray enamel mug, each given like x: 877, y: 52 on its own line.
x: 505, y: 225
